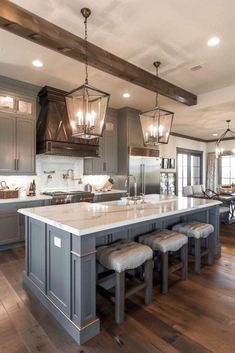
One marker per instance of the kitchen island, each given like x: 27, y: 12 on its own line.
x: 61, y: 246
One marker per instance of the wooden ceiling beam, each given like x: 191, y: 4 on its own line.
x: 25, y: 24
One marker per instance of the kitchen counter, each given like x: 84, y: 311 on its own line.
x: 61, y: 246
x: 86, y: 218
x: 113, y: 191
x: 26, y: 199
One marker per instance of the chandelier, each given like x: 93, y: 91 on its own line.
x: 156, y: 123
x: 219, y: 150
x: 87, y: 105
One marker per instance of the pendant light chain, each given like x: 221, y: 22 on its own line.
x: 86, y: 51
x: 157, y: 66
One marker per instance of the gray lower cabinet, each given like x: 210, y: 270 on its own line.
x: 58, y: 268
x: 109, y: 196
x: 12, y: 225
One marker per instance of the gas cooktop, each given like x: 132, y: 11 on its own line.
x: 69, y: 192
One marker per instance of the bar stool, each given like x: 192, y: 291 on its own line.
x: 165, y: 241
x: 198, y: 231
x: 120, y: 257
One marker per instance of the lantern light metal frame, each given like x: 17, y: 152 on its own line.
x: 156, y: 123
x: 219, y: 151
x: 87, y: 105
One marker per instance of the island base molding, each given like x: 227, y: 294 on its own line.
x: 79, y: 334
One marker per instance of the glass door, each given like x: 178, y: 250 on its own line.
x: 182, y: 172
x: 189, y: 169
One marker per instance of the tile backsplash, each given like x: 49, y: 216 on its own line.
x: 46, y: 163
x: 60, y: 165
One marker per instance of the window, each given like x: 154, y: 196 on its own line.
x: 227, y: 170
x: 189, y: 169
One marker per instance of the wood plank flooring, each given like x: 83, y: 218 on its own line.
x: 197, y: 316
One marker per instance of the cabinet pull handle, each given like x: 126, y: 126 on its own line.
x: 104, y: 166
x: 15, y: 162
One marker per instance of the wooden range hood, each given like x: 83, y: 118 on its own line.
x: 54, y: 135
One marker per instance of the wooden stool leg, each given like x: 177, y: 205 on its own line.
x: 197, y: 249
x: 211, y: 249
x: 164, y: 272
x: 148, y: 279
x: 184, y: 259
x: 120, y: 297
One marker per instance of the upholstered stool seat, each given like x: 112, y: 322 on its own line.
x: 199, y: 231
x: 120, y: 257
x: 194, y: 229
x: 164, y: 241
x: 123, y: 255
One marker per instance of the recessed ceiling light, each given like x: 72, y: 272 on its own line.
x: 214, y: 134
x: 37, y: 63
x: 213, y: 41
x: 126, y: 95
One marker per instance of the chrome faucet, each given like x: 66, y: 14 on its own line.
x: 127, y: 183
x: 67, y: 174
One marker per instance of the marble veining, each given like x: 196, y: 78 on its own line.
x: 86, y: 218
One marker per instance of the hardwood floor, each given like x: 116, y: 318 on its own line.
x: 197, y: 316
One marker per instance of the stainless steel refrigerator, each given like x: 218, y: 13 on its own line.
x: 146, y: 170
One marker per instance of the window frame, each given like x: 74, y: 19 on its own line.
x: 219, y: 165
x: 189, y: 153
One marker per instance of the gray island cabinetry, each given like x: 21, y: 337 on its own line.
x: 61, y: 246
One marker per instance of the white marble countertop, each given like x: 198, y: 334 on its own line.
x: 26, y: 199
x: 85, y: 218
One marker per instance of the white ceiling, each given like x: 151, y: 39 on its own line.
x: 172, y: 31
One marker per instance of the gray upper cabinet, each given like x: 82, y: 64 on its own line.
x: 17, y: 135
x: 7, y: 145
x: 107, y: 162
x: 25, y: 131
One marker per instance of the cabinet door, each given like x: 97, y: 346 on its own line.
x: 110, y: 146
x: 7, y: 144
x: 9, y: 228
x: 95, y: 166
x: 36, y: 247
x: 110, y: 154
x: 25, y: 145
x: 58, y: 268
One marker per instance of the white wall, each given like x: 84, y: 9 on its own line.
x: 169, y: 150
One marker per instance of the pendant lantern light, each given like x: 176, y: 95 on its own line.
x: 219, y: 150
x: 156, y: 123
x: 87, y: 105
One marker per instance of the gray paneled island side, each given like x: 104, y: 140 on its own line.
x: 61, y: 241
